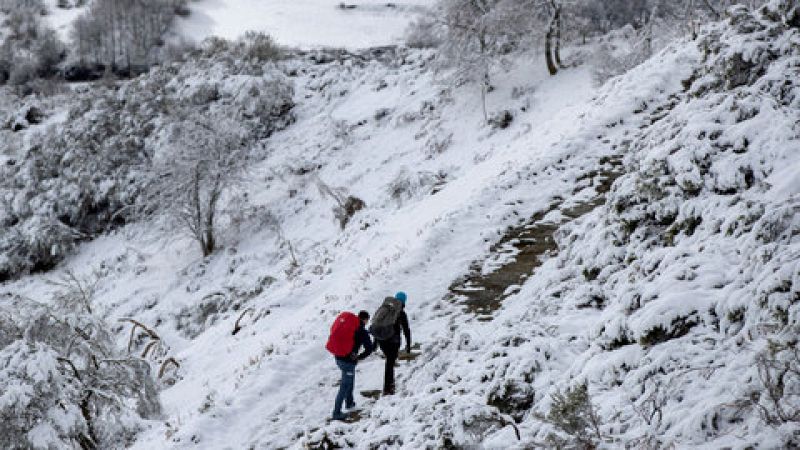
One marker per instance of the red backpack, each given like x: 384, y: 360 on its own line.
x: 343, y: 334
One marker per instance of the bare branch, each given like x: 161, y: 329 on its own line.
x: 166, y: 364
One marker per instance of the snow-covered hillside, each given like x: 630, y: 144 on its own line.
x: 657, y: 216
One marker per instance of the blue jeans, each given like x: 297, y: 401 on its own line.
x: 346, y: 387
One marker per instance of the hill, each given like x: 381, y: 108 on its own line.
x: 612, y: 267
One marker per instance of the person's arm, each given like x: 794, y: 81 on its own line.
x: 406, y: 330
x: 366, y: 341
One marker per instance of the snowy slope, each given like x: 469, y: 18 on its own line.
x: 283, y: 374
x: 659, y: 300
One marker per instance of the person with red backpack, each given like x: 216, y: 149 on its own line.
x: 389, y: 319
x: 348, y: 335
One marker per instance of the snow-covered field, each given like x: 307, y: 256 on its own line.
x: 295, y: 23
x: 304, y: 23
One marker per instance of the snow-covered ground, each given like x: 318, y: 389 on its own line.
x: 61, y: 19
x: 649, y: 300
x: 304, y: 23
x: 295, y: 23
x: 284, y: 378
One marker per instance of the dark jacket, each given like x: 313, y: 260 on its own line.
x: 362, y: 338
x: 401, y: 324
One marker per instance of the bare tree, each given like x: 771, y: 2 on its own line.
x: 122, y: 33
x: 476, y: 32
x: 552, y: 40
x: 204, y: 160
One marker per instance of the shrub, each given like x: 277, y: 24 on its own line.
x: 779, y: 372
x: 513, y: 397
x: 346, y: 205
x: 22, y: 72
x: 501, y: 120
x: 424, y: 33
x: 260, y: 47
x: 49, y: 53
x: 573, y: 413
x: 63, y: 383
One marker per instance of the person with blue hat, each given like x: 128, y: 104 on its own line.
x: 386, y: 324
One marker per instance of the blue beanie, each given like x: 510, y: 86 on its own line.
x: 401, y: 296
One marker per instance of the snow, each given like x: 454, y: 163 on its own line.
x: 275, y: 367
x: 380, y: 131
x: 61, y: 19
x: 304, y: 23
x: 293, y: 23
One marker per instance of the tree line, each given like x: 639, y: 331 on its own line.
x: 474, y: 36
x: 121, y: 37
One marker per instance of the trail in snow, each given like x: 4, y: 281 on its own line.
x: 521, y: 249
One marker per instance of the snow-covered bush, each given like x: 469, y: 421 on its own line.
x: 424, y: 32
x: 407, y: 184
x: 63, y: 383
x: 227, y: 83
x: 779, y: 373
x: 260, y: 47
x: 347, y: 205
x: 574, y: 415
x: 256, y: 48
x: 40, y: 405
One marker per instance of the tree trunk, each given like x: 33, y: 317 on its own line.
x: 557, y: 46
x: 548, y: 52
x: 209, y: 241
x: 483, y: 102
x: 197, y: 213
x: 552, y: 58
x: 484, y: 78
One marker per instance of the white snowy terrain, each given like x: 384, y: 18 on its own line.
x: 660, y: 292
x: 304, y: 23
x: 295, y: 23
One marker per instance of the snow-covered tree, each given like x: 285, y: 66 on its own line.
x: 204, y: 158
x: 476, y: 36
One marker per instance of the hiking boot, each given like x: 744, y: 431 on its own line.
x: 339, y: 416
x: 389, y: 391
x: 352, y: 408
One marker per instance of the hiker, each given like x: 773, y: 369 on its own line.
x: 348, y: 335
x: 389, y: 319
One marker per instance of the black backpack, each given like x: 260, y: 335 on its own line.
x: 382, y: 324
